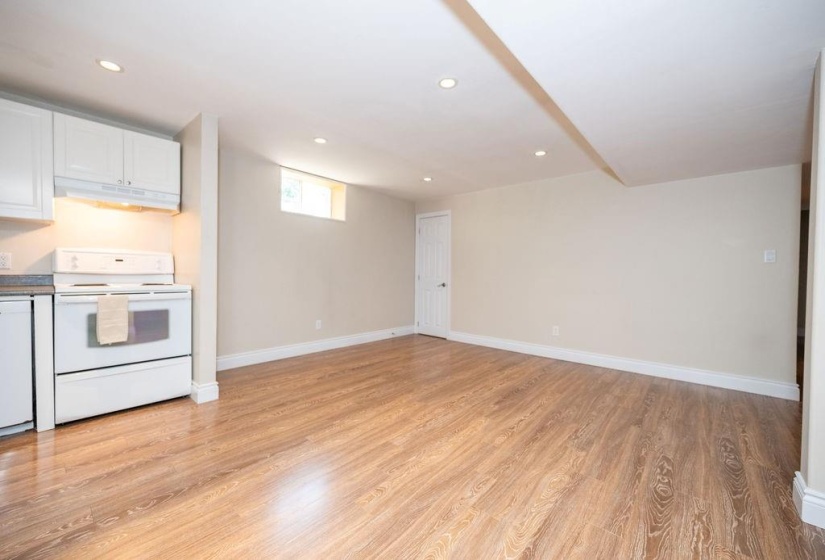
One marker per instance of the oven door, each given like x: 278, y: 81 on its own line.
x: 160, y: 326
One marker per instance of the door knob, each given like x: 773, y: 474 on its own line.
x: 442, y: 285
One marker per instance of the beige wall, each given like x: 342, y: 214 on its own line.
x: 30, y: 244
x: 78, y: 224
x: 668, y: 273
x: 280, y: 272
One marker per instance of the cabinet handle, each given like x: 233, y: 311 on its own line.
x: 128, y: 182
x: 120, y: 181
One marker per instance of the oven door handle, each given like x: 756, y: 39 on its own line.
x: 61, y: 299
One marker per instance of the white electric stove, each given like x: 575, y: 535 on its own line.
x: 153, y: 364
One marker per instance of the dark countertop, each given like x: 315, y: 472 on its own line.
x: 26, y: 285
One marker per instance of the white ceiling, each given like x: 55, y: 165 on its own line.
x: 694, y: 89
x: 676, y: 89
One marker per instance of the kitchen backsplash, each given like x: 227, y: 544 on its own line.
x: 78, y: 224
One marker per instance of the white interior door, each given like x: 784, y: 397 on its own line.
x: 433, y: 275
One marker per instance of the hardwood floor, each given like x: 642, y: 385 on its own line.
x: 416, y: 448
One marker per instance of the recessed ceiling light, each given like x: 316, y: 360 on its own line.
x: 428, y: 179
x: 109, y: 65
x: 541, y: 153
x: 320, y: 140
x: 448, y: 83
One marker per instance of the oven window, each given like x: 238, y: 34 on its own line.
x: 144, y: 326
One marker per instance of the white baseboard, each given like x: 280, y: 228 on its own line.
x: 809, y: 503
x: 789, y: 391
x: 292, y: 350
x: 204, y: 393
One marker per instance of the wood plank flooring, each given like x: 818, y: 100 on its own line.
x: 416, y: 448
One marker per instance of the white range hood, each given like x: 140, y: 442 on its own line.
x: 116, y: 194
x: 115, y: 167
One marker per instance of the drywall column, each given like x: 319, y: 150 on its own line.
x: 809, y: 483
x: 195, y: 245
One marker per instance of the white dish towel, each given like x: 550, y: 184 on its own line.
x: 112, y: 319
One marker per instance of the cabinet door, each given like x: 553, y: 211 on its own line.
x: 87, y: 150
x: 26, y: 180
x: 16, y: 402
x: 151, y: 163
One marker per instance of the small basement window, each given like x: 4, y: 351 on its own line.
x: 302, y: 193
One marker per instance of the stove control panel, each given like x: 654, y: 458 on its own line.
x: 109, y: 261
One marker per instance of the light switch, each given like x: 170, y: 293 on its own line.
x: 770, y: 256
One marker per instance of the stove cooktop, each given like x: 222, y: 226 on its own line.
x: 100, y: 287
x: 105, y: 271
x: 88, y: 284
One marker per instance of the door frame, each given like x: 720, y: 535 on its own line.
x: 418, y: 218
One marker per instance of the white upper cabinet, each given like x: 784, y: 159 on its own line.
x: 151, y: 163
x: 26, y: 179
x: 87, y: 150
x: 91, y: 151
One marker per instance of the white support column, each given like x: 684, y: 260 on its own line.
x: 195, y: 245
x: 809, y: 483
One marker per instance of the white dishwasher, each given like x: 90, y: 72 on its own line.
x: 16, y: 403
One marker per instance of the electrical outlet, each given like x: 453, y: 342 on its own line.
x: 5, y: 261
x: 556, y: 330
x: 318, y: 325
